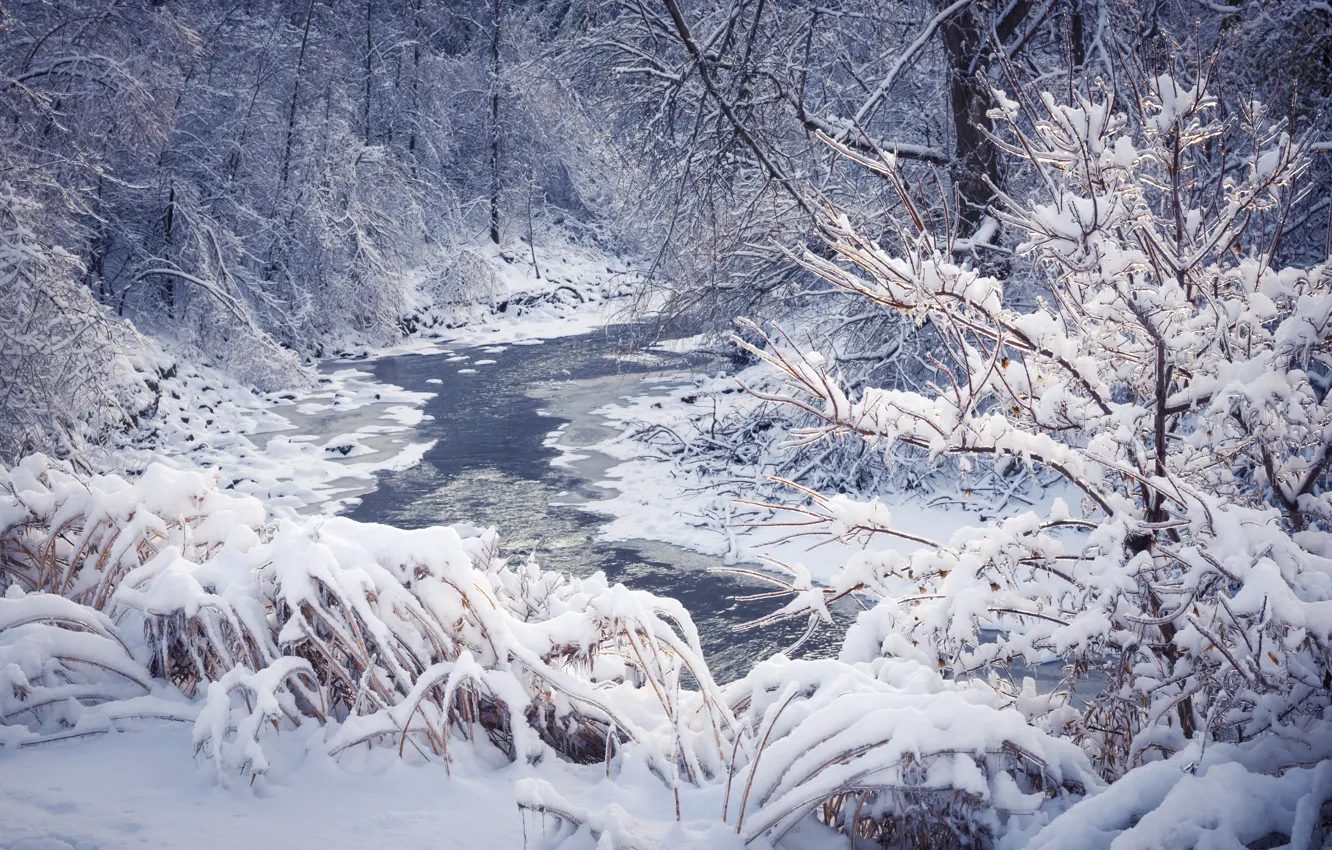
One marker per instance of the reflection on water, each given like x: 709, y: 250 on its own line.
x: 490, y: 467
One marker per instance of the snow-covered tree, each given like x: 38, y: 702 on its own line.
x: 1176, y: 380
x: 63, y: 386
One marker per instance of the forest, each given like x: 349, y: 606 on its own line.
x: 984, y: 347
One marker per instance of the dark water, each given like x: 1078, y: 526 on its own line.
x: 490, y: 467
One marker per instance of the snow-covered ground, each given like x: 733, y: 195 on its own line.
x: 307, y: 449
x: 579, y: 290
x: 144, y: 789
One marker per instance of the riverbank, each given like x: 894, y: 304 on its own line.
x: 318, y: 445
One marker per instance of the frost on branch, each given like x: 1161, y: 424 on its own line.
x: 1174, y: 376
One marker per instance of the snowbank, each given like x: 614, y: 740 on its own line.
x: 488, y: 294
x: 278, y: 446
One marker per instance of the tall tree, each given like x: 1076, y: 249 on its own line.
x: 496, y: 131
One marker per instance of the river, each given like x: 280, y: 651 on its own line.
x: 492, y: 412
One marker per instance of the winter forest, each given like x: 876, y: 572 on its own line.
x: 645, y: 424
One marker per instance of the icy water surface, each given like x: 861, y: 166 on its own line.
x: 490, y: 467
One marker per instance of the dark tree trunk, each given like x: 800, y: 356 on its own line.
x: 531, y: 235
x: 1076, y: 35
x: 417, y: 35
x: 295, y: 97
x: 169, y: 282
x: 369, y: 61
x: 975, y: 159
x: 495, y: 126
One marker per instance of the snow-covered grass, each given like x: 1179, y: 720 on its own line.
x: 290, y: 642
x: 168, y: 579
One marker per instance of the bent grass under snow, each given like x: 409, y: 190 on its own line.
x: 166, y: 599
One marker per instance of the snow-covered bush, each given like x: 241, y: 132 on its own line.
x: 166, y: 585
x: 1175, y: 377
x: 892, y: 751
x: 238, y: 708
x: 464, y: 278
x: 56, y: 657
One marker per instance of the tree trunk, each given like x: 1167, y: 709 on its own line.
x: 1076, y: 36
x: 369, y: 61
x: 975, y: 159
x: 169, y: 282
x: 495, y: 125
x: 531, y: 235
x: 416, y: 81
x: 295, y: 97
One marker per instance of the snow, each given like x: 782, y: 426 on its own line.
x: 265, y: 444
x: 580, y: 289
x: 408, y: 416
x: 145, y: 789
x: 319, y: 448
x: 347, y: 445
x: 649, y: 498
x: 140, y: 784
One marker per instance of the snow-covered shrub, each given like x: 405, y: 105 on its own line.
x: 105, y: 544
x: 409, y: 638
x: 461, y: 286
x: 1174, y: 377
x: 414, y: 632
x: 238, y: 707
x: 892, y: 751
x: 465, y: 277
x: 201, y: 616
x: 78, y: 536
x: 56, y: 657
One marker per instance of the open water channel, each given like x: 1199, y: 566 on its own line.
x: 491, y: 465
